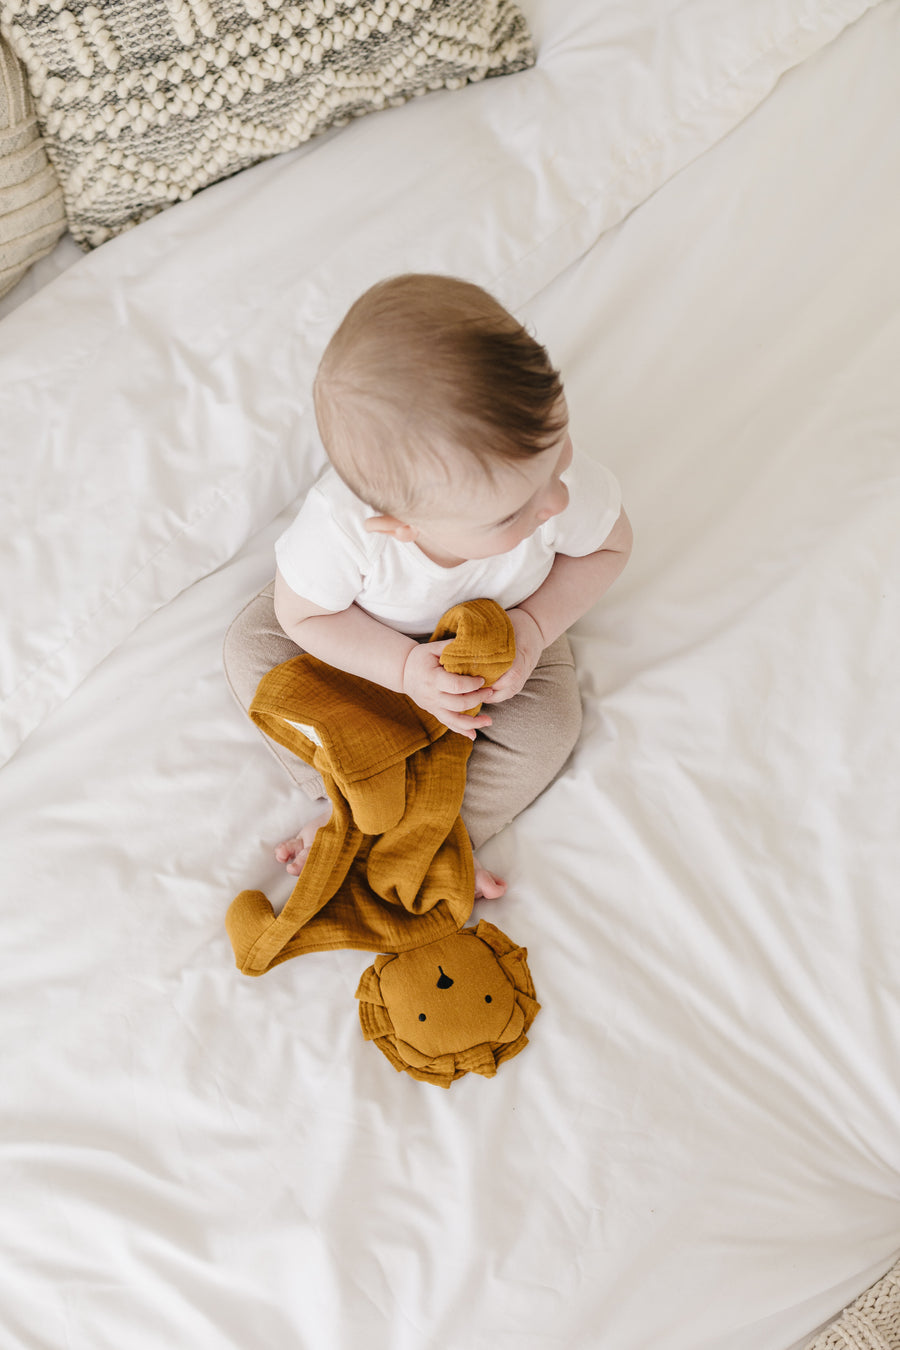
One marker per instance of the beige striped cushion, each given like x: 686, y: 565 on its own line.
x: 144, y: 102
x: 32, y: 216
x: 871, y: 1323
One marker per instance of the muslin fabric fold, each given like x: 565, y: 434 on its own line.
x: 392, y: 869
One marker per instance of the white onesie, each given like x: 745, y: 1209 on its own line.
x: 327, y: 556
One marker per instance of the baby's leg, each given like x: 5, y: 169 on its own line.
x: 512, y: 761
x: 254, y: 643
x: 529, y: 741
x: 295, y: 851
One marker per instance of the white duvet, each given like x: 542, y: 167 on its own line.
x: 699, y: 1148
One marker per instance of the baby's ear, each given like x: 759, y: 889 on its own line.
x: 406, y: 534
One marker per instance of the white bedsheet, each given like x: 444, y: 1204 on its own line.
x: 699, y: 1148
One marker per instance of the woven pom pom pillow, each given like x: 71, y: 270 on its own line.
x: 144, y: 102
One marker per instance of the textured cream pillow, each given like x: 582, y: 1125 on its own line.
x: 31, y: 203
x: 144, y: 102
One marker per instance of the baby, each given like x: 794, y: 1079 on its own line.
x: 452, y: 477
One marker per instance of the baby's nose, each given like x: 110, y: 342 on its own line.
x: 557, y: 500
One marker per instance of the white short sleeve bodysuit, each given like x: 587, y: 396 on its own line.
x: 327, y: 556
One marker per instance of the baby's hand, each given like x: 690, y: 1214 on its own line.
x: 529, y: 645
x: 440, y: 693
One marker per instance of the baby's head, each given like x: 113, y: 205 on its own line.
x: 440, y: 411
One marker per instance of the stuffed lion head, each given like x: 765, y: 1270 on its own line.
x: 461, y: 1004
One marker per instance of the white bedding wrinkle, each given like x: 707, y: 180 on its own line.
x: 148, y: 435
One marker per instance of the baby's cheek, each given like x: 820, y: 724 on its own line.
x: 507, y: 539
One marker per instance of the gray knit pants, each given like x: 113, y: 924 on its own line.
x: 512, y: 760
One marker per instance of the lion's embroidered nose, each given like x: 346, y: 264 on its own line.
x: 445, y: 981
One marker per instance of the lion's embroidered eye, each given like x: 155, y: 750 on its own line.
x: 488, y: 999
x: 421, y: 1017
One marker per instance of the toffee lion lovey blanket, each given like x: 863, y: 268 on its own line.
x: 392, y: 870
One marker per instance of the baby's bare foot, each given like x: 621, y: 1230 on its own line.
x: 294, y: 852
x: 488, y: 886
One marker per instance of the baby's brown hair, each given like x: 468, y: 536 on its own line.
x: 424, y: 367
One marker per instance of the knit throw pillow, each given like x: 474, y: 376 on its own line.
x: 31, y: 205
x: 144, y: 102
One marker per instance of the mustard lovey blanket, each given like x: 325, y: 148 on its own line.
x: 392, y: 870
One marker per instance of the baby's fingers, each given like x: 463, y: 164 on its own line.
x: 459, y: 703
x: 465, y: 725
x: 498, y: 695
x: 503, y: 688
x: 458, y: 684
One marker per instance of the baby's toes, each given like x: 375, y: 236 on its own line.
x: 488, y: 886
x: 288, y: 850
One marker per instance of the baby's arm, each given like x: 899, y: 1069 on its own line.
x: 573, y: 586
x: 353, y: 641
